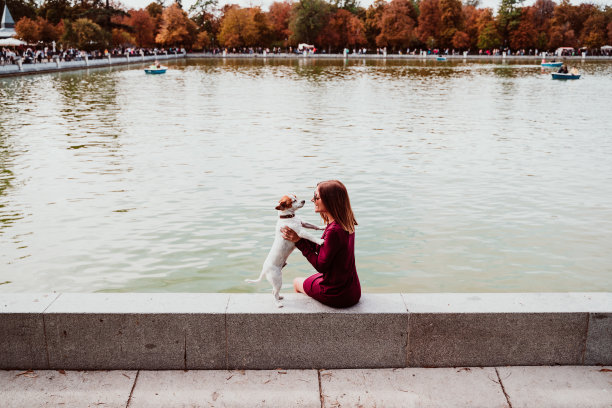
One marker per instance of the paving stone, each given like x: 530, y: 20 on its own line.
x: 307, y: 334
x: 47, y: 388
x: 22, y: 332
x: 412, y: 387
x: 558, y: 387
x: 278, y: 388
x: 599, y: 339
x: 137, y: 330
x: 493, y: 330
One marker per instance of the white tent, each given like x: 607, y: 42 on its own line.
x: 11, y: 42
x: 606, y: 48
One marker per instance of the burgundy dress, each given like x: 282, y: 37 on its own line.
x: 337, y: 283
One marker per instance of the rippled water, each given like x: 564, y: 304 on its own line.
x: 463, y: 176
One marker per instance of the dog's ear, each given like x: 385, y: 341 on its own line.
x: 283, y: 203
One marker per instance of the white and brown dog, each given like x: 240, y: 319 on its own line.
x: 282, y: 248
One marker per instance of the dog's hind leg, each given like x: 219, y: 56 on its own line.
x: 276, y: 280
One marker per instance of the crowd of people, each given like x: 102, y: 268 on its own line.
x: 29, y: 55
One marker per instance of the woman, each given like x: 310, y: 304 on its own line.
x: 336, y: 284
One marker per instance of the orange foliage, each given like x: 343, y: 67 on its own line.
x: 429, y: 22
x: 121, y: 38
x: 397, y: 25
x: 243, y: 27
x: 343, y: 29
x: 144, y: 27
x: 27, y: 30
x: 451, y: 20
x: 525, y: 35
x: 176, y: 27
x: 279, y: 15
x: 461, y: 40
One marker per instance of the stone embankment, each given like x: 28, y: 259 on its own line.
x: 55, y: 66
x: 131, y: 331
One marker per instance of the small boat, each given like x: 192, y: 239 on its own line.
x: 440, y: 58
x: 558, y: 75
x: 155, y: 69
x: 551, y: 64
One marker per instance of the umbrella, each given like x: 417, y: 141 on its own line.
x: 11, y: 42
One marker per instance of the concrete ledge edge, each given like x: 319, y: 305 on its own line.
x: 247, y: 331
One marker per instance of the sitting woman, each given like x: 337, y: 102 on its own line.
x: 336, y: 284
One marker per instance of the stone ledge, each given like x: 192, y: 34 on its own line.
x: 247, y: 331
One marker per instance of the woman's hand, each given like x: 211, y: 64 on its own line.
x: 289, y: 234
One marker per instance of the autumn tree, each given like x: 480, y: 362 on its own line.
x: 343, y: 29
x: 205, y: 14
x: 398, y: 25
x: 279, y: 15
x: 429, y: 23
x: 27, y: 30
x: 121, y: 38
x: 155, y: 10
x: 143, y: 26
x: 461, y: 40
x: 308, y: 18
x: 373, y: 21
x: 525, y: 35
x: 242, y: 27
x: 203, y: 41
x: 594, y: 31
x: 471, y: 16
x: 488, y: 37
x: 176, y: 27
x: 451, y: 21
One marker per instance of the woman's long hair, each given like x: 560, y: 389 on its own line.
x: 336, y: 201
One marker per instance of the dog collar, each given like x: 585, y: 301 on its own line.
x: 288, y: 216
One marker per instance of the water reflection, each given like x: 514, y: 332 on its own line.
x: 460, y: 173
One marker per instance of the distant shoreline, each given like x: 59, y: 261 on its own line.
x: 50, y: 67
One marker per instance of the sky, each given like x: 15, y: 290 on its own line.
x: 264, y: 4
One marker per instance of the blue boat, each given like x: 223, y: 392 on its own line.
x: 552, y: 64
x: 155, y: 69
x: 558, y: 75
x: 440, y: 58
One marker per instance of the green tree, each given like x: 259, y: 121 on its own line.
x: 508, y: 17
x: 86, y: 35
x: 21, y: 8
x: 308, y: 19
x: 55, y: 10
x: 489, y: 37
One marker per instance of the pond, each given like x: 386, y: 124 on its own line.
x: 475, y: 176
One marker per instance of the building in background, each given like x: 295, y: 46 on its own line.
x: 7, y: 24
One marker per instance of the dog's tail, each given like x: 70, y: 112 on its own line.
x: 258, y: 279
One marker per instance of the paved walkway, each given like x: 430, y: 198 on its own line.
x: 561, y: 386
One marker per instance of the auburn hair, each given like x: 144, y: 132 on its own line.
x: 336, y: 200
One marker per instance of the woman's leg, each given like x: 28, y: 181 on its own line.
x: 298, y: 285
